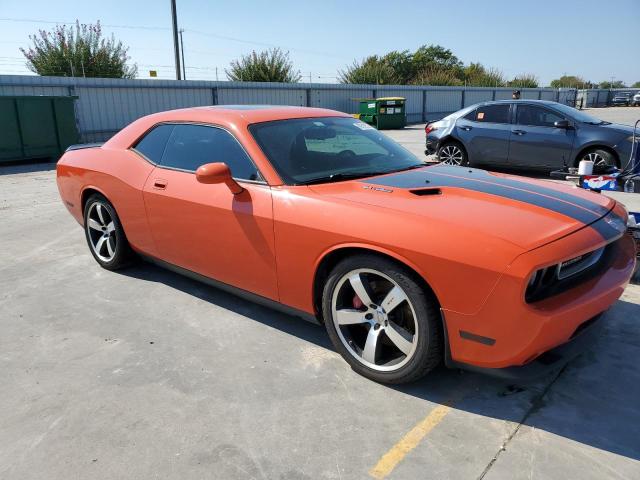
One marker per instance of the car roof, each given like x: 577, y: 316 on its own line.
x: 522, y: 100
x: 246, y: 113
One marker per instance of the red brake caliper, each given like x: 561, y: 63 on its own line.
x: 357, y: 303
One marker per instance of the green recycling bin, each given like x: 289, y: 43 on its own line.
x: 383, y: 113
x: 36, y: 126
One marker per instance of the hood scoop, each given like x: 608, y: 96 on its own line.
x: 423, y: 192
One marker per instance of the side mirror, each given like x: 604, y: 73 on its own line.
x: 562, y: 124
x: 218, y: 172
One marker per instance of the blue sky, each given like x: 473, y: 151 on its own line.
x: 594, y: 39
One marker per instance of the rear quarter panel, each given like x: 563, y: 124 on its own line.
x: 117, y: 174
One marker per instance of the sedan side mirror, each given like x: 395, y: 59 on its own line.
x: 218, y: 172
x: 562, y: 124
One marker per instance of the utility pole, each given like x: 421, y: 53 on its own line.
x: 176, y: 48
x: 184, y: 68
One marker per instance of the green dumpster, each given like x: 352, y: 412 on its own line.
x: 36, y: 127
x: 383, y: 113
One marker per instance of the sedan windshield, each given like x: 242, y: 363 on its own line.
x: 318, y: 150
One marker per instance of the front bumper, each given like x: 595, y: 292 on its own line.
x: 547, y: 362
x: 507, y: 333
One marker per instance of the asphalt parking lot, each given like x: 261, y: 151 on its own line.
x: 146, y: 374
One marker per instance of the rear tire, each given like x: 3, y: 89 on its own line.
x: 382, y: 322
x: 104, y: 233
x: 453, y: 153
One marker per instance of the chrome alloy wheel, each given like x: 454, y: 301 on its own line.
x: 374, y: 319
x: 597, y: 159
x: 451, y: 155
x: 101, y: 232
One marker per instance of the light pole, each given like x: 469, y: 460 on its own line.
x: 176, y: 48
x: 184, y: 68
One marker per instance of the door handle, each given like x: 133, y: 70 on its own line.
x: 160, y: 184
x: 466, y: 128
x: 518, y: 132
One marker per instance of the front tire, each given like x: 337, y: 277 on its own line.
x: 382, y: 322
x: 601, y: 159
x: 104, y: 233
x: 453, y: 153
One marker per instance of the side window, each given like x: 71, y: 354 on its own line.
x: 471, y: 116
x: 153, y: 143
x: 537, y: 116
x: 193, y: 145
x: 492, y: 113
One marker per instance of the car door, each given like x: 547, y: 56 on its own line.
x: 205, y: 228
x: 535, y: 142
x: 485, y: 133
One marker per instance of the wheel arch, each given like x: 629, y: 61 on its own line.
x: 333, y: 256
x: 596, y: 146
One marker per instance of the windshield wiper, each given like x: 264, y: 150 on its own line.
x: 337, y: 177
x: 410, y: 167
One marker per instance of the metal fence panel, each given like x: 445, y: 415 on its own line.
x: 341, y: 100
x: 104, y: 111
x: 440, y: 103
x: 262, y: 96
x: 476, y: 96
x: 106, y: 105
x: 503, y: 94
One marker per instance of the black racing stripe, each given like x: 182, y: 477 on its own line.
x: 417, y: 179
x: 610, y: 227
x: 476, y: 174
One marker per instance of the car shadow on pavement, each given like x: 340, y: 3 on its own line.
x: 594, y: 400
x: 13, y: 168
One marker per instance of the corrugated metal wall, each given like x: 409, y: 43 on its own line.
x: 106, y: 105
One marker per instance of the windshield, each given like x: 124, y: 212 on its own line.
x: 316, y: 150
x: 577, y: 114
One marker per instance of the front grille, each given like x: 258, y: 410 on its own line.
x: 555, y: 279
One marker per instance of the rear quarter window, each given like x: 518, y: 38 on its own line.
x: 154, y: 142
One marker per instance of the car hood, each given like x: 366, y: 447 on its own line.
x: 614, y: 127
x: 524, y: 212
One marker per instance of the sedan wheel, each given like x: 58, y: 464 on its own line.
x: 452, y: 154
x: 600, y: 158
x: 385, y: 325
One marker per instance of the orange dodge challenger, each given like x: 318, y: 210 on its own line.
x: 315, y: 212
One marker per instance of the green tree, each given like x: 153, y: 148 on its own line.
x: 436, y: 76
x: 271, y: 65
x: 476, y: 75
x: 438, y: 57
x: 524, y: 80
x: 79, y: 51
x: 371, y: 70
x: 636, y: 85
x: 570, y: 81
x: 616, y: 84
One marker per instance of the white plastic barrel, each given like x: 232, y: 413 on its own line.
x: 585, y: 167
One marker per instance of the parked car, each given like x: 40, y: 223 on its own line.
x: 529, y: 134
x: 317, y: 213
x: 636, y: 99
x: 621, y: 98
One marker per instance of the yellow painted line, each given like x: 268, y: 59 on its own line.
x: 390, y: 460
